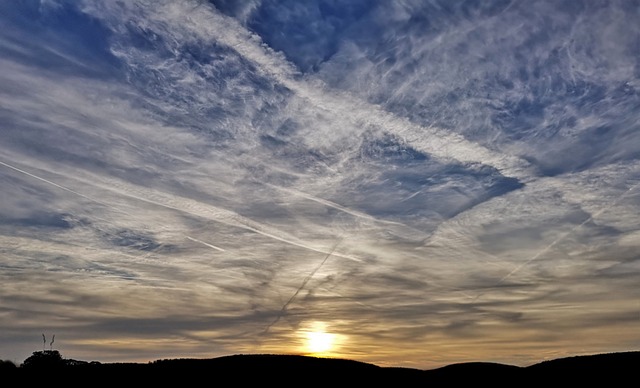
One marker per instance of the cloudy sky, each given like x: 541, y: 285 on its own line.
x: 402, y: 182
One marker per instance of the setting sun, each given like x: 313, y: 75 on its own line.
x: 317, y: 340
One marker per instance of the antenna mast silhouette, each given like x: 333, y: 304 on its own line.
x: 44, y: 342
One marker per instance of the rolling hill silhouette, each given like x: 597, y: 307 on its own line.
x: 288, y: 369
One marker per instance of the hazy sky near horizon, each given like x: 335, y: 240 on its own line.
x: 415, y: 182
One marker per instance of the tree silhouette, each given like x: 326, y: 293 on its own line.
x: 6, y: 365
x: 45, y: 359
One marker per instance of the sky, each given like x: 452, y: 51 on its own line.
x: 401, y: 182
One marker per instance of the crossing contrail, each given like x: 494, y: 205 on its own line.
x: 186, y: 205
x: 205, y: 244
x: 283, y: 310
x: 567, y: 234
x: 342, y: 106
x: 55, y: 184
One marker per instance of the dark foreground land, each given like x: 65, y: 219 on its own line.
x: 610, y: 370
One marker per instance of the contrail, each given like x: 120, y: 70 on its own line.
x: 283, y: 310
x: 564, y: 236
x: 343, y: 106
x: 412, y: 195
x: 184, y: 205
x: 205, y: 244
x: 222, y: 215
x: 297, y: 244
x: 334, y: 205
x: 56, y: 185
x: 559, y: 239
x: 346, y: 210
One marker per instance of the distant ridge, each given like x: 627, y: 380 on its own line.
x: 609, y: 367
x: 285, y: 369
x: 615, y: 365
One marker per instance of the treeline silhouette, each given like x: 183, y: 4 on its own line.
x: 49, y: 366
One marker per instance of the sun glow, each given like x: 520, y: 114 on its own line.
x: 317, y: 341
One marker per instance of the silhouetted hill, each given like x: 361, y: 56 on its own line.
x: 286, y: 370
x: 612, y: 367
x: 479, y: 372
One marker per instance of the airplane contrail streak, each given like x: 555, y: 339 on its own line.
x: 334, y: 205
x: 173, y: 202
x: 343, y: 106
x: 306, y: 280
x: 559, y: 239
x: 205, y: 244
x: 55, y: 184
x: 567, y: 234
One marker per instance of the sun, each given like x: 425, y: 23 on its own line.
x: 317, y: 340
